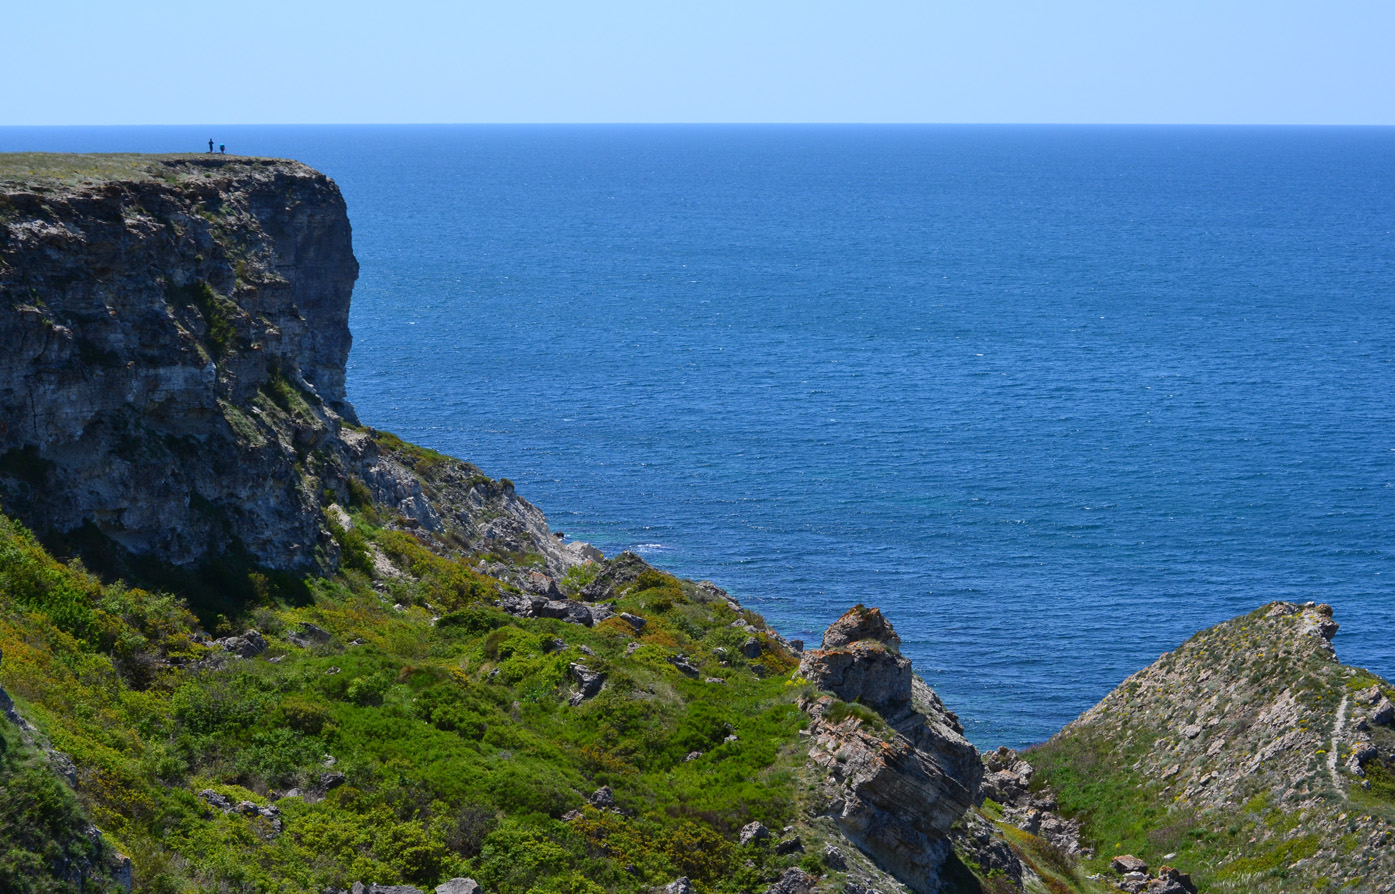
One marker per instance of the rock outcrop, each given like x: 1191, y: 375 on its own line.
x: 1008, y: 781
x: 173, y: 382
x: 1252, y: 730
x: 897, y: 770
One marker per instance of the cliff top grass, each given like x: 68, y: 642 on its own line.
x: 91, y: 169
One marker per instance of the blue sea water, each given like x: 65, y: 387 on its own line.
x: 1054, y: 398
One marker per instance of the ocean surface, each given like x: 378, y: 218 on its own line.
x: 1054, y: 398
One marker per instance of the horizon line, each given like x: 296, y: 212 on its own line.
x: 717, y: 124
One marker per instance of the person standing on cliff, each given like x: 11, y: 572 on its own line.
x: 210, y: 145
x: 222, y: 150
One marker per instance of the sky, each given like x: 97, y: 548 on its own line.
x: 659, y: 61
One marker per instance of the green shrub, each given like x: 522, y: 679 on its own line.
x: 578, y: 576
x: 219, y: 314
x: 353, y: 549
x: 841, y: 710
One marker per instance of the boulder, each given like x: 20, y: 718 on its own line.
x: 753, y: 832
x: 684, y: 665
x: 568, y: 610
x: 860, y: 624
x: 1174, y: 881
x: 1361, y: 754
x: 458, y: 886
x: 1126, y: 863
x: 1317, y: 620
x: 525, y: 605
x: 706, y: 591
x: 678, y: 886
x: 1383, y: 713
x: 308, y: 635
x: 248, y: 645
x: 215, y: 800
x: 588, y: 682
x: 634, y: 621
x: 793, y: 881
x: 603, y: 798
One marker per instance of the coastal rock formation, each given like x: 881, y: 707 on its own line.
x: 173, y: 385
x: 1252, y: 730
x: 177, y: 342
x: 898, y: 772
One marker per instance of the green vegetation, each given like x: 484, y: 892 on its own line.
x: 423, y: 459
x: 41, y: 825
x: 577, y: 577
x: 28, y: 168
x: 871, y: 720
x: 1126, y: 812
x: 220, y: 314
x: 1134, y: 777
x: 459, y: 750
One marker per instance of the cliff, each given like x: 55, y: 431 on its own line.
x: 173, y: 384
x: 302, y: 654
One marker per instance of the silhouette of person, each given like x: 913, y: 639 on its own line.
x: 223, y: 150
x: 210, y: 146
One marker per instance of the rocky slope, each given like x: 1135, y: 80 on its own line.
x: 1250, y: 756
x: 173, y: 388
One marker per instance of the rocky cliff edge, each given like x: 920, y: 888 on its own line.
x: 173, y: 385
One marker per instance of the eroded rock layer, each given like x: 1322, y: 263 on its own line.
x: 898, y: 771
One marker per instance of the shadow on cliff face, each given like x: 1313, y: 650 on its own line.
x: 220, y: 591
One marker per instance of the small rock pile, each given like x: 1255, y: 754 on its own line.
x: 243, y: 808
x: 1007, y: 781
x: 1136, y: 879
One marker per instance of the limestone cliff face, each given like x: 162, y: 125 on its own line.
x: 175, y: 332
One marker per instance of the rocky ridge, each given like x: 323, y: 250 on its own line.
x: 1252, y: 728
x: 897, y: 782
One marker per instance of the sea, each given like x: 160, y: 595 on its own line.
x: 1053, y: 398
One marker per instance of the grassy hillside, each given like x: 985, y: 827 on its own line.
x: 458, y: 748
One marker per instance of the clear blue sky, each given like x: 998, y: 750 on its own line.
x: 397, y: 61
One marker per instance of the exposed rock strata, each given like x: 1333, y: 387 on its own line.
x: 173, y: 384
x: 896, y: 790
